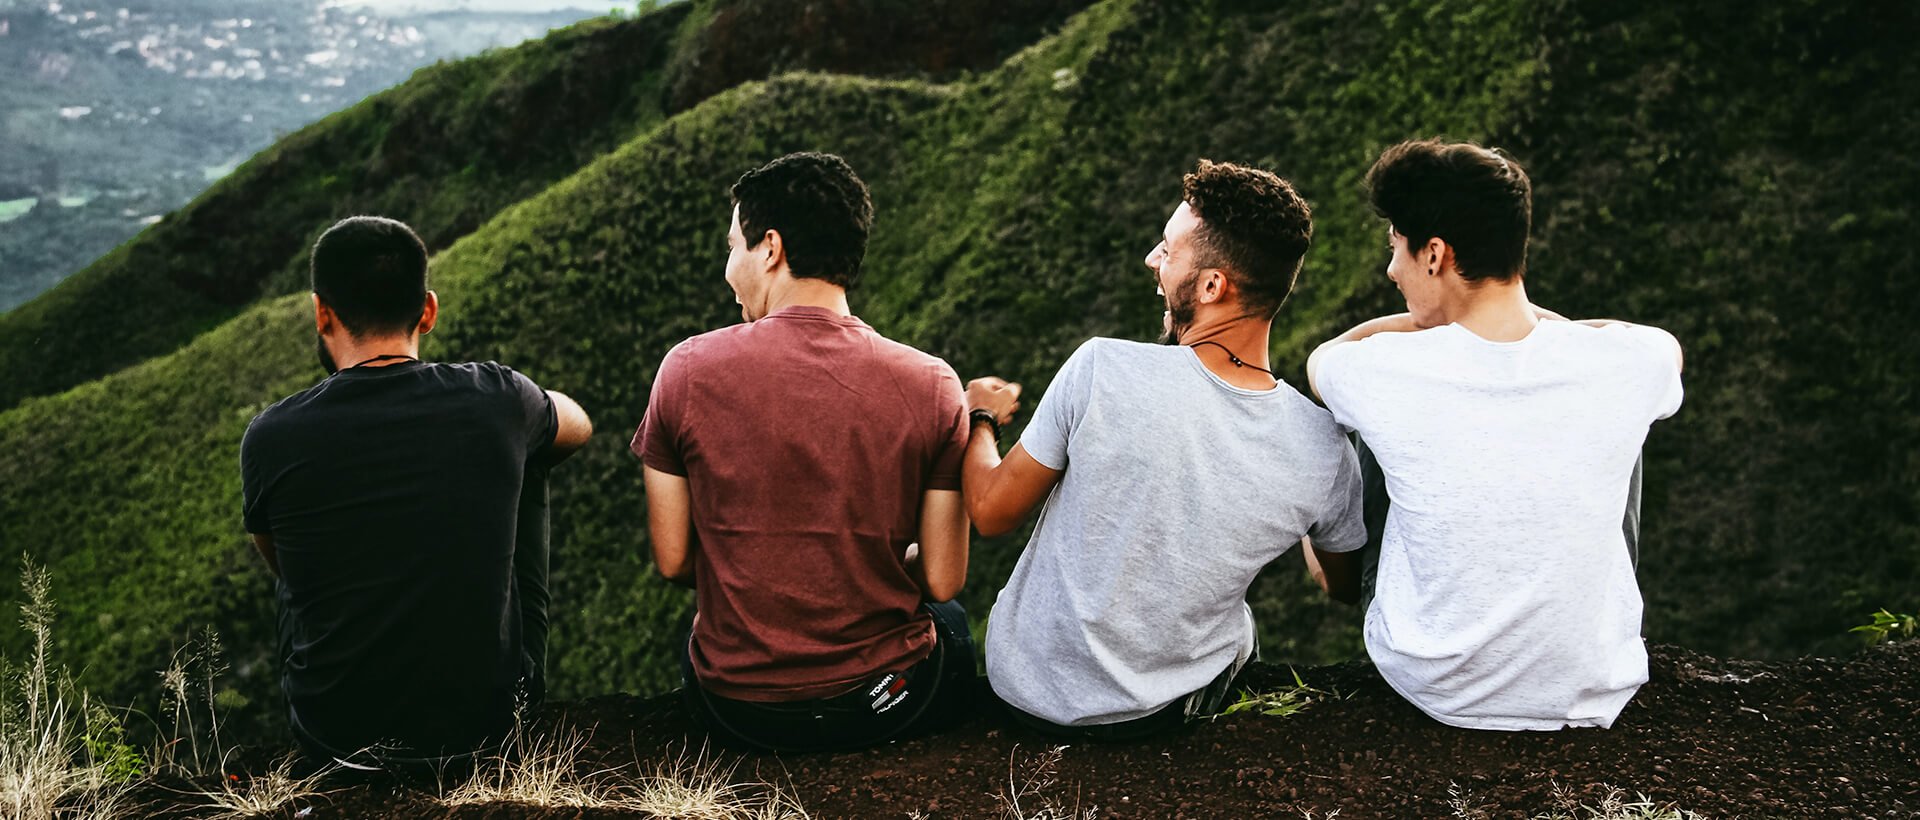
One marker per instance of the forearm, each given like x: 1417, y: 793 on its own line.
x: 978, y: 473
x: 1397, y: 323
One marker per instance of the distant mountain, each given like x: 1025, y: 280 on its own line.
x: 114, y: 112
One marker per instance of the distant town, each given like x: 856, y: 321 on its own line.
x: 114, y: 112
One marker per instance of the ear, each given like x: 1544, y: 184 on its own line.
x: 1213, y: 285
x: 429, y: 314
x: 323, y: 318
x: 1438, y: 256
x: 773, y: 248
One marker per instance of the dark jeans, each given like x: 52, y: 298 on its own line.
x: 405, y: 764
x: 1376, y: 502
x: 1205, y: 702
x: 938, y: 692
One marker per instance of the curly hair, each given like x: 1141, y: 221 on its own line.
x: 371, y: 271
x: 1478, y: 201
x: 1254, y: 226
x: 820, y: 208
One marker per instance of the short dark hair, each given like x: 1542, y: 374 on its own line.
x: 819, y: 206
x: 1254, y: 226
x: 371, y: 271
x: 1477, y: 200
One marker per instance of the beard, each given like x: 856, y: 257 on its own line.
x: 326, y: 358
x: 1180, y: 309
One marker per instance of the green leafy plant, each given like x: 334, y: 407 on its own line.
x: 1888, y: 626
x: 1284, y: 702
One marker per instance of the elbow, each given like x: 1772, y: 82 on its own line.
x: 677, y: 571
x: 986, y: 520
x: 941, y: 591
x: 989, y: 525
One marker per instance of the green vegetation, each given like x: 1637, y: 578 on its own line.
x: 1283, y: 702
x: 1887, y: 626
x: 1734, y: 176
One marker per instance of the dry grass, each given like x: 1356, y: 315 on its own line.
x: 1033, y: 794
x: 1567, y: 806
x: 57, y: 759
x: 262, y: 795
x: 547, y: 771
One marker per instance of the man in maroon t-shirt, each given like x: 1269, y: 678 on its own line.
x: 792, y: 464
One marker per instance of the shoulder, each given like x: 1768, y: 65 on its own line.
x: 1640, y: 341
x: 279, y: 417
x: 1378, y: 349
x: 1103, y: 352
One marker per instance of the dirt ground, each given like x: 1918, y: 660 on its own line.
x: 1804, y: 738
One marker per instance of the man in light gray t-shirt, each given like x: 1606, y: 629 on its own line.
x: 1170, y: 474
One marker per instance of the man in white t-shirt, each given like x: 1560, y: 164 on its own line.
x: 1170, y: 474
x: 1508, y: 437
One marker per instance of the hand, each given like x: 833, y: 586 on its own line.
x: 1546, y: 315
x: 994, y: 395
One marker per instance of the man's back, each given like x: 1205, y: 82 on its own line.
x: 1177, y: 488
x: 808, y: 441
x: 391, y: 496
x: 1506, y: 596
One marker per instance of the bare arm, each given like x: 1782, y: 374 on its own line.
x: 263, y: 544
x: 670, y: 524
x: 1397, y: 323
x: 1000, y: 494
x: 939, y: 566
x: 1337, y: 573
x: 574, y: 427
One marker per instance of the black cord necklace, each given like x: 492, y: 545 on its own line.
x: 386, y: 356
x: 1236, y: 359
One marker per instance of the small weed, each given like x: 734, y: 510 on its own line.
x: 1278, y: 703
x: 1888, y: 626
x: 1613, y: 806
x: 1027, y: 795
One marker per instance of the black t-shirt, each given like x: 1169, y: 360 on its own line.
x: 391, y: 494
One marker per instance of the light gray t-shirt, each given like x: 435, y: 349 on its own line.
x: 1506, y: 596
x: 1178, y: 488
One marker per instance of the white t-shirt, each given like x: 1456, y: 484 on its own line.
x: 1178, y: 487
x: 1506, y: 597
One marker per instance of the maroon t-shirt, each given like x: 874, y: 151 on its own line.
x: 807, y: 440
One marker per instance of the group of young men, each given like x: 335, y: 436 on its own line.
x: 816, y: 484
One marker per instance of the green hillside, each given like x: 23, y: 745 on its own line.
x: 449, y: 149
x: 1737, y: 175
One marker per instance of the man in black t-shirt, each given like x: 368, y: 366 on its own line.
x: 402, y: 506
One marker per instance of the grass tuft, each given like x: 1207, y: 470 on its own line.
x: 261, y: 795
x: 60, y: 755
x: 548, y: 771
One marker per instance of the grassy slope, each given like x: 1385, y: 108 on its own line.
x: 1013, y: 211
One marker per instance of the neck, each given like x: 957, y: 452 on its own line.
x: 1248, y: 337
x: 1495, y: 311
x: 808, y: 293
x: 348, y: 351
